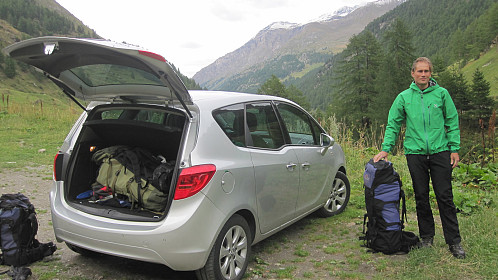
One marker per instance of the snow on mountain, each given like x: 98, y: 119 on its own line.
x: 385, y: 2
x: 340, y: 13
x: 281, y: 25
x: 344, y: 11
x: 335, y: 15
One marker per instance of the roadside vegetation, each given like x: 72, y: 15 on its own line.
x: 340, y: 255
x: 32, y: 127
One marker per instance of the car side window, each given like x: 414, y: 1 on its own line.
x: 264, y: 129
x: 298, y: 124
x: 231, y: 121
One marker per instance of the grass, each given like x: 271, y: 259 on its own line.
x: 307, y: 69
x: 338, y: 253
x: 32, y: 128
x: 480, y: 241
x: 488, y: 64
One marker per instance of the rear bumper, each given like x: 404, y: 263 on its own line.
x: 181, y: 241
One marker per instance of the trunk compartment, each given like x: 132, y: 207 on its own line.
x: 156, y: 129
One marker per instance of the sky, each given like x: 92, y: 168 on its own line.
x: 191, y: 34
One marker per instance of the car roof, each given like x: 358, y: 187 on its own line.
x: 211, y: 100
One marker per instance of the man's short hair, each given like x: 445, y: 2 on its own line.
x: 422, y: 59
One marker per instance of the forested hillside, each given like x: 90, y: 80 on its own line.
x: 35, y: 20
x: 358, y: 85
x: 437, y: 26
x: 450, y: 32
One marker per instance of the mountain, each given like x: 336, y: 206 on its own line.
x: 285, y: 49
x: 454, y: 32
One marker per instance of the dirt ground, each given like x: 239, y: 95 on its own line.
x: 35, y: 183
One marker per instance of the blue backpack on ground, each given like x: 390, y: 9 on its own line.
x: 383, y: 220
x: 18, y: 228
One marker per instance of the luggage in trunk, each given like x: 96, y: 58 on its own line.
x: 132, y: 176
x: 158, y: 137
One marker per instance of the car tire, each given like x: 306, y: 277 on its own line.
x: 229, y: 256
x: 338, y: 197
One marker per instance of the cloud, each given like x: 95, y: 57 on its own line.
x: 191, y: 45
x: 230, y: 12
x: 265, y: 4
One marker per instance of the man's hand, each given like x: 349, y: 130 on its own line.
x: 455, y: 159
x: 382, y: 155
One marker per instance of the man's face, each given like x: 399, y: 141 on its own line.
x: 422, y: 74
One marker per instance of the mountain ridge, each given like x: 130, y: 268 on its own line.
x: 319, y: 39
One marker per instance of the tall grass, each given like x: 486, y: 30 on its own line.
x: 477, y: 226
x: 32, y: 128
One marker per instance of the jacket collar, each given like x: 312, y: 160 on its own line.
x: 432, y: 86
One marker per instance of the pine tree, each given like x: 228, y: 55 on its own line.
x: 458, y: 47
x: 297, y: 96
x: 457, y: 86
x: 358, y: 73
x: 395, y: 76
x: 10, y: 68
x: 480, y: 102
x: 274, y: 87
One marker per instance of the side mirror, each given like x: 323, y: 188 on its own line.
x: 326, y: 141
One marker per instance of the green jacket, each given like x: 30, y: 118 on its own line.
x: 431, y: 121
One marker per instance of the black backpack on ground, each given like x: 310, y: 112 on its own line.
x: 383, y: 220
x: 18, y: 228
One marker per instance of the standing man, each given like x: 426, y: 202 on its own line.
x: 432, y: 141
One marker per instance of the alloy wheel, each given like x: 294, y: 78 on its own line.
x: 233, y: 252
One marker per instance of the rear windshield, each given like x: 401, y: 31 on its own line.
x: 136, y: 115
x: 109, y: 74
x: 146, y: 115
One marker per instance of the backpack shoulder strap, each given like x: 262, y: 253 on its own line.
x: 33, y: 221
x: 403, y: 209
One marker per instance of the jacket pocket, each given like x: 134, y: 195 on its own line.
x: 436, y: 118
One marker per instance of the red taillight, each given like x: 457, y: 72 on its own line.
x: 193, y: 179
x: 58, y: 166
x: 152, y: 55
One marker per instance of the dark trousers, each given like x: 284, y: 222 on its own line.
x: 438, y: 168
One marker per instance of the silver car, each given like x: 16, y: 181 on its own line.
x: 243, y: 166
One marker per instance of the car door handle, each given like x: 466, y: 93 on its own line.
x: 291, y: 166
x: 306, y: 165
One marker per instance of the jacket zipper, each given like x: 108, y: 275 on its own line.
x: 423, y: 118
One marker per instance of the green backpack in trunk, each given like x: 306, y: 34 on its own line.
x: 129, y: 172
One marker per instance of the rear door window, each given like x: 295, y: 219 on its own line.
x: 251, y: 125
x: 264, y: 129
